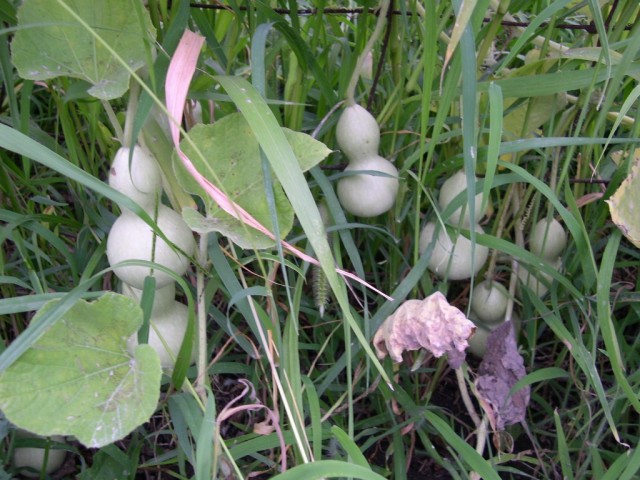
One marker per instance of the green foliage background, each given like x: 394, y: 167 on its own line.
x: 537, y: 98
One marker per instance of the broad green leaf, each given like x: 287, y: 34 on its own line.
x: 51, y: 42
x: 624, y: 205
x: 78, y: 378
x: 232, y: 162
x: 525, y: 119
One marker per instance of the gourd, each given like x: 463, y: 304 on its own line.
x: 489, y: 301
x: 33, y: 457
x: 362, y: 194
x: 538, y: 283
x: 547, y: 239
x: 131, y: 238
x: 169, y: 321
x: 450, y: 189
x: 452, y: 259
x: 478, y: 341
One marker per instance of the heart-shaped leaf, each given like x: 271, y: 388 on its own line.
x: 78, y: 378
x: 232, y: 162
x: 51, y: 42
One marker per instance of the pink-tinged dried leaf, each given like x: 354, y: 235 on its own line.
x: 501, y: 367
x: 431, y: 323
x: 179, y: 75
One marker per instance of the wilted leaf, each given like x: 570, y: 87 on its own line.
x: 501, y: 367
x: 50, y: 43
x: 625, y: 205
x: 78, y: 378
x: 431, y: 323
x: 232, y: 162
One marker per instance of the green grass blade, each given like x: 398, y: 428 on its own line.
x: 563, y: 450
x: 328, y: 469
x: 465, y: 451
x: 605, y: 321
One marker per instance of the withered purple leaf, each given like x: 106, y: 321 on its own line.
x: 431, y: 323
x: 501, y: 367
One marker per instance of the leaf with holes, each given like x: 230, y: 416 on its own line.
x: 78, y: 378
x: 51, y: 42
x: 227, y: 154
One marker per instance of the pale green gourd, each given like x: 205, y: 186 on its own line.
x: 131, y: 238
x: 31, y: 457
x: 363, y: 194
x: 450, y: 189
x: 452, y: 259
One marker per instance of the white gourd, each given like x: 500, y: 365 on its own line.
x: 143, y: 182
x: 547, y: 239
x: 368, y: 195
x: 131, y: 238
x: 169, y: 320
x: 478, y: 341
x: 357, y: 133
x: 539, y: 282
x: 489, y: 302
x: 34, y: 457
x: 453, y: 186
x: 449, y: 259
x: 363, y: 194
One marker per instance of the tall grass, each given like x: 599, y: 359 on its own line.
x: 479, y: 112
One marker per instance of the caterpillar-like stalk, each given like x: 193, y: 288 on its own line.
x: 319, y: 282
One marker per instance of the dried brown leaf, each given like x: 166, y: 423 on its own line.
x: 501, y: 367
x: 431, y: 323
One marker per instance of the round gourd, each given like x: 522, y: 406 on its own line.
x: 449, y: 259
x: 132, y: 239
x: 489, y: 302
x: 478, y: 341
x: 453, y: 186
x: 141, y: 180
x: 357, y: 133
x: 368, y: 195
x: 170, y: 323
x: 547, y: 239
x: 163, y: 297
x: 538, y: 285
x: 34, y: 457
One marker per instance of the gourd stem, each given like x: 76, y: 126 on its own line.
x: 519, y: 237
x: 202, y: 319
x: 505, y: 215
x: 353, y: 82
x: 466, y: 399
x: 132, y: 106
x: 113, y: 119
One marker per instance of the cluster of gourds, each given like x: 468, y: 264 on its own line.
x: 137, y: 175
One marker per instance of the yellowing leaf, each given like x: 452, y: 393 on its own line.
x: 624, y: 205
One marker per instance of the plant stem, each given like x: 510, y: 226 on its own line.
x: 117, y: 129
x: 202, y: 318
x: 132, y: 105
x: 353, y: 82
x: 464, y: 393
